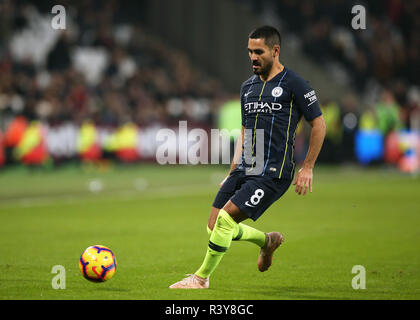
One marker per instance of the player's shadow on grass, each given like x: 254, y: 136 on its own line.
x: 113, y: 289
x: 20, y: 280
x: 278, y: 292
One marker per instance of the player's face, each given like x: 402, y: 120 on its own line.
x: 261, y: 56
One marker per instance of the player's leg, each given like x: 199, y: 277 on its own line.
x: 227, y: 221
x: 219, y: 221
x: 254, y: 198
x: 242, y: 232
x: 219, y: 243
x: 226, y: 191
x: 221, y: 237
x: 214, y: 212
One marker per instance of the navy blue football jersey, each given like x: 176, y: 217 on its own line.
x: 272, y: 110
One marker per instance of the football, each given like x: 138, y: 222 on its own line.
x: 97, y: 263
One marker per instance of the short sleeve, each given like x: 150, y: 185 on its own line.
x: 305, y: 99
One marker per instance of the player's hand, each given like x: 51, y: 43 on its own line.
x: 303, y: 181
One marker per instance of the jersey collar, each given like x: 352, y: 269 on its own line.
x: 277, y: 77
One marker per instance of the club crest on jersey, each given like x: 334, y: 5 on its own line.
x: 277, y: 92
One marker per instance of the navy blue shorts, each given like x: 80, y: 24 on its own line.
x: 251, y: 194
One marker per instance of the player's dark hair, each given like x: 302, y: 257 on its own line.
x: 270, y: 35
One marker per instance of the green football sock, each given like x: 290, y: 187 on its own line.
x: 219, y: 243
x: 243, y: 232
x: 250, y: 234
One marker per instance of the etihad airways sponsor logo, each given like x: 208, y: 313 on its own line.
x: 264, y: 107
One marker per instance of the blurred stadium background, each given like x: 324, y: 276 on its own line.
x: 121, y: 70
x: 80, y: 109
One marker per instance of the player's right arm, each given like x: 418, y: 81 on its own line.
x: 239, y: 143
x: 237, y: 155
x: 238, y: 151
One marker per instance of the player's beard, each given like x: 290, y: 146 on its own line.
x: 264, y: 70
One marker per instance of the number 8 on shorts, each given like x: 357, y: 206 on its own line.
x: 256, y: 197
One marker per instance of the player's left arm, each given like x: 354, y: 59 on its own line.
x: 305, y: 99
x: 304, y: 177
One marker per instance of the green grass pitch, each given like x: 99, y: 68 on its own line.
x: 154, y: 219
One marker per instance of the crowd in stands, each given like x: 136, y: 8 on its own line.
x: 97, y: 68
x: 110, y: 69
x: 380, y: 63
x: 382, y: 57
